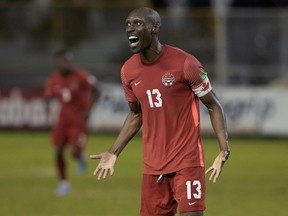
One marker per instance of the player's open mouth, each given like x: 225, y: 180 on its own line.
x: 133, y: 40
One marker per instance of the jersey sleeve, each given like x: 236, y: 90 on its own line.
x: 128, y: 92
x: 196, y: 76
x: 90, y: 81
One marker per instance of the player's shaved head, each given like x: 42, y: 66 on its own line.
x: 149, y: 14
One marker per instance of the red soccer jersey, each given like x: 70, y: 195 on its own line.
x: 72, y: 91
x: 168, y: 91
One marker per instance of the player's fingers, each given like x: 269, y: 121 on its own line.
x: 105, y: 173
x: 100, y: 174
x: 111, y: 171
x: 212, y: 175
x: 96, y: 170
x: 97, y: 156
x: 215, y: 179
x: 217, y: 174
x: 208, y: 170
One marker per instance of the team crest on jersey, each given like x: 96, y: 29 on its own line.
x: 168, y: 79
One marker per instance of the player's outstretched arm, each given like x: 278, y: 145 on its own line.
x: 129, y: 129
x: 219, y: 126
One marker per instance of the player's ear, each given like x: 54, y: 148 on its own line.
x: 155, y: 28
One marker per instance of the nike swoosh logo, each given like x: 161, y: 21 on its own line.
x: 137, y: 83
x: 190, y: 204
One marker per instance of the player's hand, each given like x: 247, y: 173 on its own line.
x: 217, y: 167
x: 106, y: 164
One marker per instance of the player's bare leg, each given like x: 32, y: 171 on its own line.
x: 60, y: 163
x: 64, y: 186
x: 77, y: 152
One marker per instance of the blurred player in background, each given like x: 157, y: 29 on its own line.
x: 76, y: 90
x: 163, y: 85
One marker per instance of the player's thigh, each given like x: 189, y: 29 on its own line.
x: 198, y: 213
x: 157, y: 196
x: 189, y: 186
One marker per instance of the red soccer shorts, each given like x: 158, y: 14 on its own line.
x: 72, y: 134
x: 162, y: 194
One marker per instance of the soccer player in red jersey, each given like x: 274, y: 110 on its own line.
x: 76, y: 90
x: 163, y: 86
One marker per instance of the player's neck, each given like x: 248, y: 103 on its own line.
x: 152, y: 54
x: 65, y: 73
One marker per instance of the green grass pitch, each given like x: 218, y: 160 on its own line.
x: 254, y: 181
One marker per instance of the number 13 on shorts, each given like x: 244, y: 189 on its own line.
x: 191, y: 185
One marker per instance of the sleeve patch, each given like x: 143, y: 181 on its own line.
x: 203, y: 75
x: 205, y: 87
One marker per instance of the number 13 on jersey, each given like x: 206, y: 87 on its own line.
x: 154, y: 98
